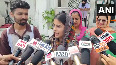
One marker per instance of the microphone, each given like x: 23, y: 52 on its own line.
x: 37, y: 45
x: 85, y: 47
x: 40, y: 45
x: 74, y: 52
x: 39, y: 54
x: 26, y: 55
x: 61, y: 55
x: 49, y: 58
x: 107, y: 38
x: 100, y: 47
x: 37, y: 57
x: 18, y: 44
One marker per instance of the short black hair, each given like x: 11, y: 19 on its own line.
x: 19, y: 4
x: 84, y: 1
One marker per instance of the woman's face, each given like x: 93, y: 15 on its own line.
x: 58, y: 28
x: 76, y: 19
x: 102, y: 21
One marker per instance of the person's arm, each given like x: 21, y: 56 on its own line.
x: 6, y: 58
x: 37, y: 34
x: 80, y: 7
x: 4, y: 45
x: 87, y: 7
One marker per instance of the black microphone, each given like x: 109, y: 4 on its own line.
x: 37, y: 57
x: 26, y: 55
x: 39, y: 54
x: 97, y: 47
x: 107, y: 35
x: 25, y: 38
x: 61, y: 48
x: 85, y: 46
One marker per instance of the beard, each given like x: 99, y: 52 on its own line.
x: 20, y: 21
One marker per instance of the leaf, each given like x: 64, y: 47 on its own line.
x: 50, y: 27
x: 48, y: 16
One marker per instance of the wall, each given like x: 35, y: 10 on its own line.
x: 3, y: 8
x: 37, y: 8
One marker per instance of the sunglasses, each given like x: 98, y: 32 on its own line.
x: 103, y: 20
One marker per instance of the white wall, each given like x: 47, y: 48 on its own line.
x: 92, y: 8
x: 64, y: 3
x: 35, y: 12
x: 3, y: 8
x: 40, y: 7
x: 32, y: 7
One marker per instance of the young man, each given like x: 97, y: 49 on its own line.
x: 19, y: 29
x: 84, y: 8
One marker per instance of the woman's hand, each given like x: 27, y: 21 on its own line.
x: 110, y: 60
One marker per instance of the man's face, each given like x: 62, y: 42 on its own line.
x: 83, y: 2
x: 20, y: 16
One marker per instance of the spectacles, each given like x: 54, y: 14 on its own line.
x: 103, y: 20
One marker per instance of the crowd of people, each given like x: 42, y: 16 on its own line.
x: 61, y: 26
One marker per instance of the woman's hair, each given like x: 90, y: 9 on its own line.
x: 105, y: 14
x: 61, y: 17
x: 76, y: 12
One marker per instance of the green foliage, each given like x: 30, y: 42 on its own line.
x: 43, y: 37
x: 48, y: 17
x: 30, y: 20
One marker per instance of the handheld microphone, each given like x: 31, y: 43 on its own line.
x: 26, y: 55
x: 85, y: 47
x: 100, y: 47
x: 39, y: 54
x: 103, y: 36
x: 37, y: 57
x: 40, y: 45
x: 18, y: 44
x: 61, y: 55
x: 49, y: 57
x: 74, y: 52
x: 107, y: 38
